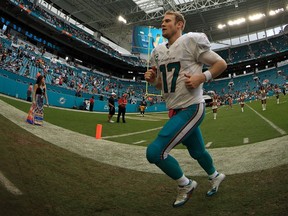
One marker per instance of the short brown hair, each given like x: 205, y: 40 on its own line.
x: 178, y: 17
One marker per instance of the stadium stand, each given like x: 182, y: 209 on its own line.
x: 75, y: 32
x: 27, y: 60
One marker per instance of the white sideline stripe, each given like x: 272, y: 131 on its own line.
x: 282, y: 132
x: 9, y: 185
x: 208, y: 144
x: 141, y: 141
x: 245, y: 140
x: 129, y: 134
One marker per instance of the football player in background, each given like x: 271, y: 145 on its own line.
x: 177, y: 70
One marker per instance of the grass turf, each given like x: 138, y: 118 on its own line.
x: 57, y: 182
x: 230, y: 129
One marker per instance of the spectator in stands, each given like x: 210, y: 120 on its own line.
x: 38, y: 74
x: 29, y: 92
x: 36, y: 112
x: 78, y: 91
x: 92, y: 101
x: 122, y: 102
x: 111, y: 105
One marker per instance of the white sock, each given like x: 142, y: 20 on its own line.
x: 242, y: 109
x: 183, y: 181
x: 213, y: 175
x: 215, y: 114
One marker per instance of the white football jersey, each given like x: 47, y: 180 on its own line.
x: 182, y: 57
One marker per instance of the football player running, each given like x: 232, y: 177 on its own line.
x: 177, y: 70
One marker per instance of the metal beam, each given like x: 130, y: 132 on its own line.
x: 187, y: 8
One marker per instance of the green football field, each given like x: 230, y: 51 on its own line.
x: 55, y: 181
x: 231, y: 128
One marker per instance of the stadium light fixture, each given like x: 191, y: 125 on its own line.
x: 121, y: 19
x: 236, y: 22
x: 221, y: 26
x: 256, y: 16
x: 274, y: 12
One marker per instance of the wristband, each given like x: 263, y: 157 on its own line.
x: 208, y: 76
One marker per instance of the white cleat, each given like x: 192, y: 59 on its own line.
x: 215, y: 183
x: 184, y: 193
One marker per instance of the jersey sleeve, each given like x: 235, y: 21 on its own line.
x: 202, y: 44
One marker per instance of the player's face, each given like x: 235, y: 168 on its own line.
x: 169, y: 26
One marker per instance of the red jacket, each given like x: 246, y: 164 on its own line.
x: 122, y: 102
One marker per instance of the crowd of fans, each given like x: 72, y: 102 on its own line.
x: 231, y: 55
x: 26, y: 58
x: 258, y: 49
x: 79, y: 33
x: 28, y: 61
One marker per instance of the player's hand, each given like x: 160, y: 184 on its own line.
x: 193, y: 81
x: 150, y: 75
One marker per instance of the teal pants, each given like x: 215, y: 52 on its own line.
x: 183, y: 128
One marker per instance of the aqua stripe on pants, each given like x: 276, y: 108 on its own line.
x: 181, y: 128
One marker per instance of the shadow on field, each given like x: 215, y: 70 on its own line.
x: 56, y: 182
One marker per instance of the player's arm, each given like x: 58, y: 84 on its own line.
x: 217, y: 66
x: 152, y: 78
x: 204, y: 55
x: 151, y: 75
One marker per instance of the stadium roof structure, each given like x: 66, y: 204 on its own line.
x: 201, y: 15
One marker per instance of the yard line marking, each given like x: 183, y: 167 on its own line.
x: 208, y: 144
x: 141, y: 141
x: 9, y: 185
x: 141, y: 118
x: 129, y: 134
x: 281, y: 131
x: 245, y: 140
x: 156, y: 117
